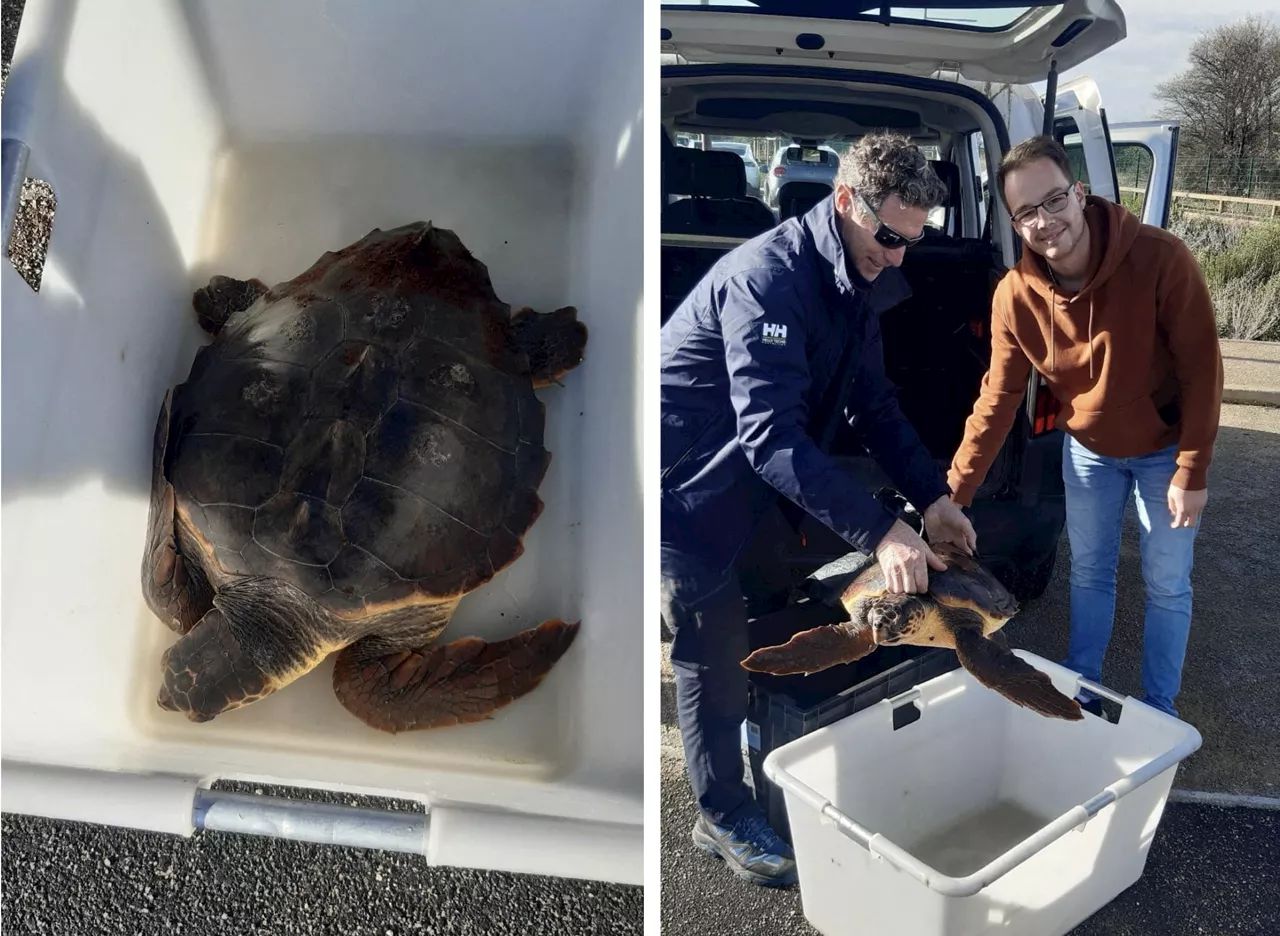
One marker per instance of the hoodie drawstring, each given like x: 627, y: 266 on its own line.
x: 1053, y: 333
x: 1091, y: 335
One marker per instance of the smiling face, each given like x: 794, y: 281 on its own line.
x: 858, y: 226
x: 1057, y: 229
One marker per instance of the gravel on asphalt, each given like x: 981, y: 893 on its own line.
x: 65, y: 879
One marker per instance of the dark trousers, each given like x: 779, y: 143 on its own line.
x: 706, y: 613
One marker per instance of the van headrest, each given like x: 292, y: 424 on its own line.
x: 797, y: 198
x: 949, y: 173
x: 708, y: 174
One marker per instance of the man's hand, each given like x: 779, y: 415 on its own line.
x: 945, y: 522
x: 1186, y: 506
x: 905, y: 559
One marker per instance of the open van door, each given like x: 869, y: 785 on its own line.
x: 1145, y: 153
x: 1080, y: 125
x: 983, y: 40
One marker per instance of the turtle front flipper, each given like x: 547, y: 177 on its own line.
x: 175, y: 589
x: 553, y: 342
x: 464, y: 681
x: 814, y: 650
x: 223, y: 298
x: 999, y: 668
x: 260, y: 635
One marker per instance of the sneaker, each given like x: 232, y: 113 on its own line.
x: 751, y: 849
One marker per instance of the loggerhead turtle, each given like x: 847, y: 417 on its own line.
x: 964, y: 609
x: 357, y: 449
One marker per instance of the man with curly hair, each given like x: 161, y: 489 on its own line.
x: 777, y: 343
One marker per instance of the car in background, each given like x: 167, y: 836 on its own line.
x: 800, y: 162
x: 748, y: 160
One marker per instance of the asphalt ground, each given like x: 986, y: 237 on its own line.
x: 1210, y: 870
x: 73, y: 879
x: 67, y: 879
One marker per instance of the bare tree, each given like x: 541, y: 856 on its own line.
x: 1228, y: 99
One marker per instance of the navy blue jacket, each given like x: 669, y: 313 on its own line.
x: 750, y: 375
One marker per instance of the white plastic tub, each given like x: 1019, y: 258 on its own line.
x: 189, y: 137
x: 977, y: 817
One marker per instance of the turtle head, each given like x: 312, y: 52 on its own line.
x: 893, y: 618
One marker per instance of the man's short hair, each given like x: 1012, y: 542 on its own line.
x: 1028, y: 151
x: 884, y: 164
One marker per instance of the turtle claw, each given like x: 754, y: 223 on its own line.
x: 813, y: 650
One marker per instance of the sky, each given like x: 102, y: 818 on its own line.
x: 1159, y: 34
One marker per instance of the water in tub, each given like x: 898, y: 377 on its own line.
x: 274, y: 209
x: 977, y: 839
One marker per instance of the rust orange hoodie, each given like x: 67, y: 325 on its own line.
x: 1138, y: 340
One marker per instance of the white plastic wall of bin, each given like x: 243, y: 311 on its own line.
x: 930, y: 869
x: 184, y: 139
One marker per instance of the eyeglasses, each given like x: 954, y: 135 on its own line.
x: 887, y: 236
x: 1053, y: 204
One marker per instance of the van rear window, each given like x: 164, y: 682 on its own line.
x: 809, y: 155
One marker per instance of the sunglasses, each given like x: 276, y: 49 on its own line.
x: 886, y: 236
x: 1053, y: 204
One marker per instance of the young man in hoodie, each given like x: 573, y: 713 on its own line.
x: 1116, y: 316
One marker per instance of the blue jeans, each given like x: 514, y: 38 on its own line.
x: 1097, y: 490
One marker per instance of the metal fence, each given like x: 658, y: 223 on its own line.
x: 1245, y: 176
x: 1251, y: 176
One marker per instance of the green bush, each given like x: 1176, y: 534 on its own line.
x: 1255, y: 249
x: 1248, y: 306
x: 1133, y: 201
x: 1242, y: 267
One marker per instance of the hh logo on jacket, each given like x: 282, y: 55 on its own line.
x: 775, y: 334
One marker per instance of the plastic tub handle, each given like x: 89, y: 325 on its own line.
x: 305, y: 821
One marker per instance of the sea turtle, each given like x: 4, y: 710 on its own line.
x: 964, y: 609
x: 356, y: 449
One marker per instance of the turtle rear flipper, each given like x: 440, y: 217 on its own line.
x: 999, y: 668
x: 451, y: 684
x: 260, y: 635
x: 814, y: 650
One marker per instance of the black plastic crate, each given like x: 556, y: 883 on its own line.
x: 781, y: 709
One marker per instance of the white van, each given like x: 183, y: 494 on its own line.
x: 956, y: 76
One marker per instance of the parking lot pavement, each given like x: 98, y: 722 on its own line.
x: 1210, y: 870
